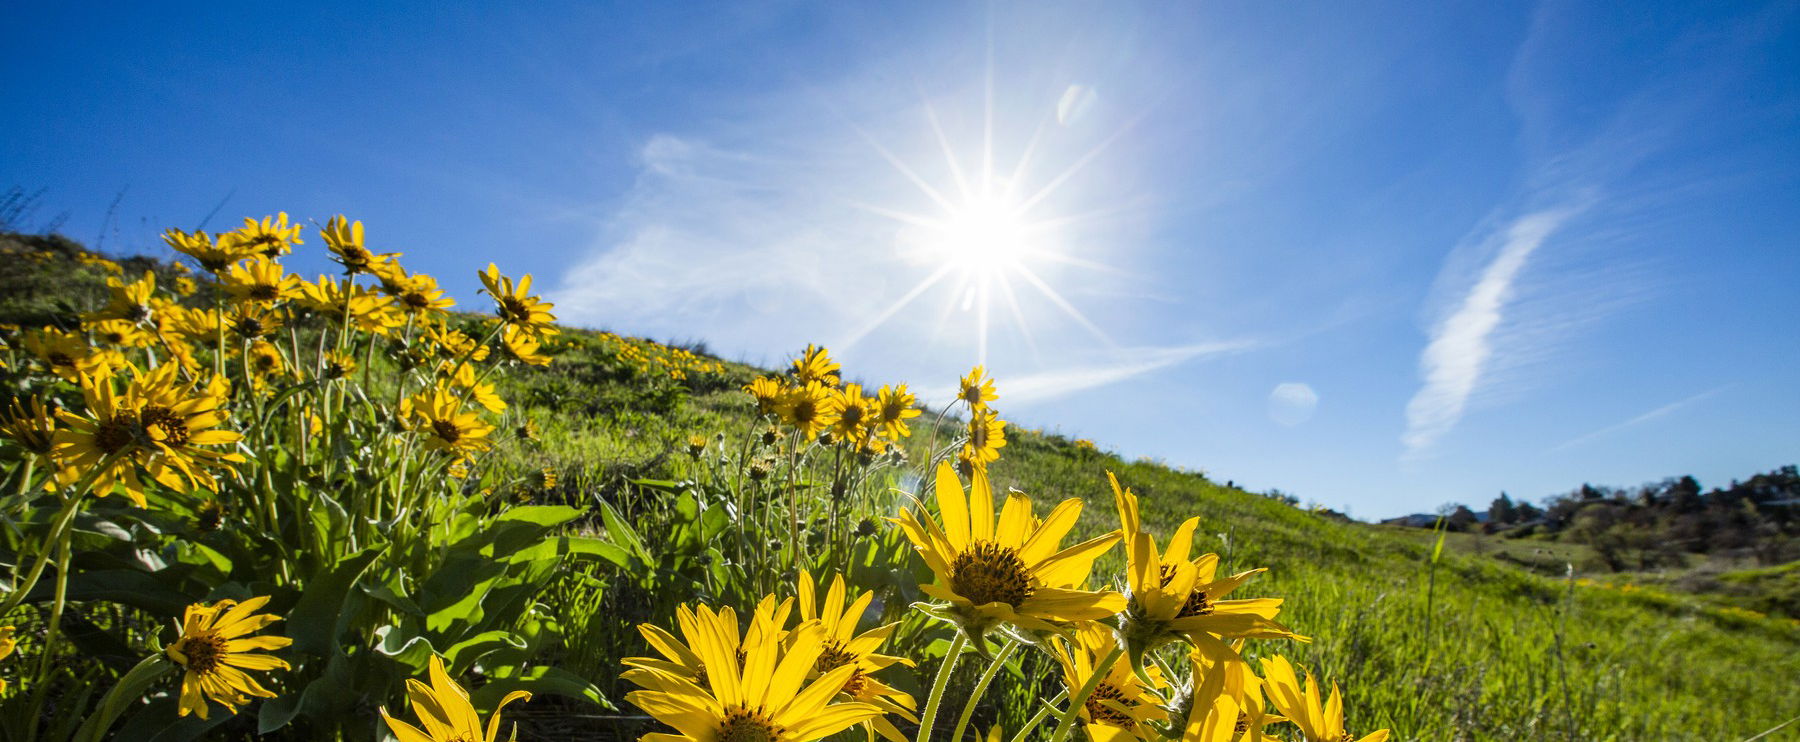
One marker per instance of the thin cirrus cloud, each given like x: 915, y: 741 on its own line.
x: 1053, y: 384
x: 1461, y: 347
x: 1639, y: 420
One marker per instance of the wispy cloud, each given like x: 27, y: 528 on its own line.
x: 1639, y: 420
x: 1063, y: 382
x: 1461, y: 345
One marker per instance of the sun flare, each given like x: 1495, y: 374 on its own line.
x: 984, y: 235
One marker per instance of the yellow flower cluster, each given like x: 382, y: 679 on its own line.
x: 812, y: 399
x: 178, y: 397
x: 647, y: 357
x: 783, y: 677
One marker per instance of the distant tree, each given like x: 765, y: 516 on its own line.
x: 1459, y: 517
x: 1527, y: 512
x: 1502, y: 511
x: 1684, y: 496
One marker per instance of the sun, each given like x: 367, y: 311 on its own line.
x: 986, y: 236
x: 991, y: 235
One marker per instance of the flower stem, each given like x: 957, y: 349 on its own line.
x: 987, y: 676
x: 929, y: 719
x: 1024, y: 732
x: 1079, y: 700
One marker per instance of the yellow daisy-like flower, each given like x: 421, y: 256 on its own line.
x: 69, y: 356
x: 679, y: 658
x: 337, y: 365
x: 463, y: 377
x: 7, y: 645
x: 444, y: 711
x: 893, y: 407
x: 987, y: 435
x: 251, y: 322
x: 1009, y: 572
x: 855, y: 415
x: 1122, y: 707
x: 1171, y: 596
x: 454, y: 344
x: 1319, y: 722
x: 438, y: 412
x: 127, y: 301
x: 344, y: 239
x: 815, y: 364
x: 419, y: 294
x: 767, y: 391
x: 343, y: 300
x: 215, y: 650
x: 118, y: 333
x: 809, y: 409
x: 843, y: 646
x: 1216, y: 712
x: 515, y: 305
x: 185, y: 286
x: 158, y: 426
x: 763, y: 696
x: 266, y: 360
x: 212, y: 255
x: 272, y: 237
x: 976, y: 390
x: 259, y: 280
x: 523, y: 346
x: 32, y: 428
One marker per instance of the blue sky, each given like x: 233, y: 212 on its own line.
x: 1381, y: 256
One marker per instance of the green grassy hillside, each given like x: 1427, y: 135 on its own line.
x: 656, y: 447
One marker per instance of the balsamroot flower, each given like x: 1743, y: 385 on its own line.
x: 1010, y: 572
x: 159, y: 426
x: 1122, y: 707
x: 1319, y: 722
x: 444, y: 711
x: 843, y: 646
x: 1171, y: 597
x: 756, y: 690
x: 215, y: 650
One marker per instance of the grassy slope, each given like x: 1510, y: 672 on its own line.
x: 1492, y: 651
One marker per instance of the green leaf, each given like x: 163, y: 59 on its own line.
x: 573, y: 546
x: 547, y: 516
x: 319, y: 617
x: 540, y: 680
x: 463, y: 654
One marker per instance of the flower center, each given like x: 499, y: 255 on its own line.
x: 164, y: 426
x: 415, y: 300
x: 269, y: 245
x: 978, y: 435
x: 1104, y: 714
x: 833, y: 657
x: 116, y: 433
x: 990, y: 573
x: 249, y: 327
x: 264, y: 292
x: 1196, y: 605
x: 805, y: 411
x: 204, y: 652
x: 852, y: 416
x: 514, y: 310
x: 746, y: 725
x: 446, y: 430
x: 60, y: 359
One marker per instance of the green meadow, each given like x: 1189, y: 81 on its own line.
x: 616, y: 490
